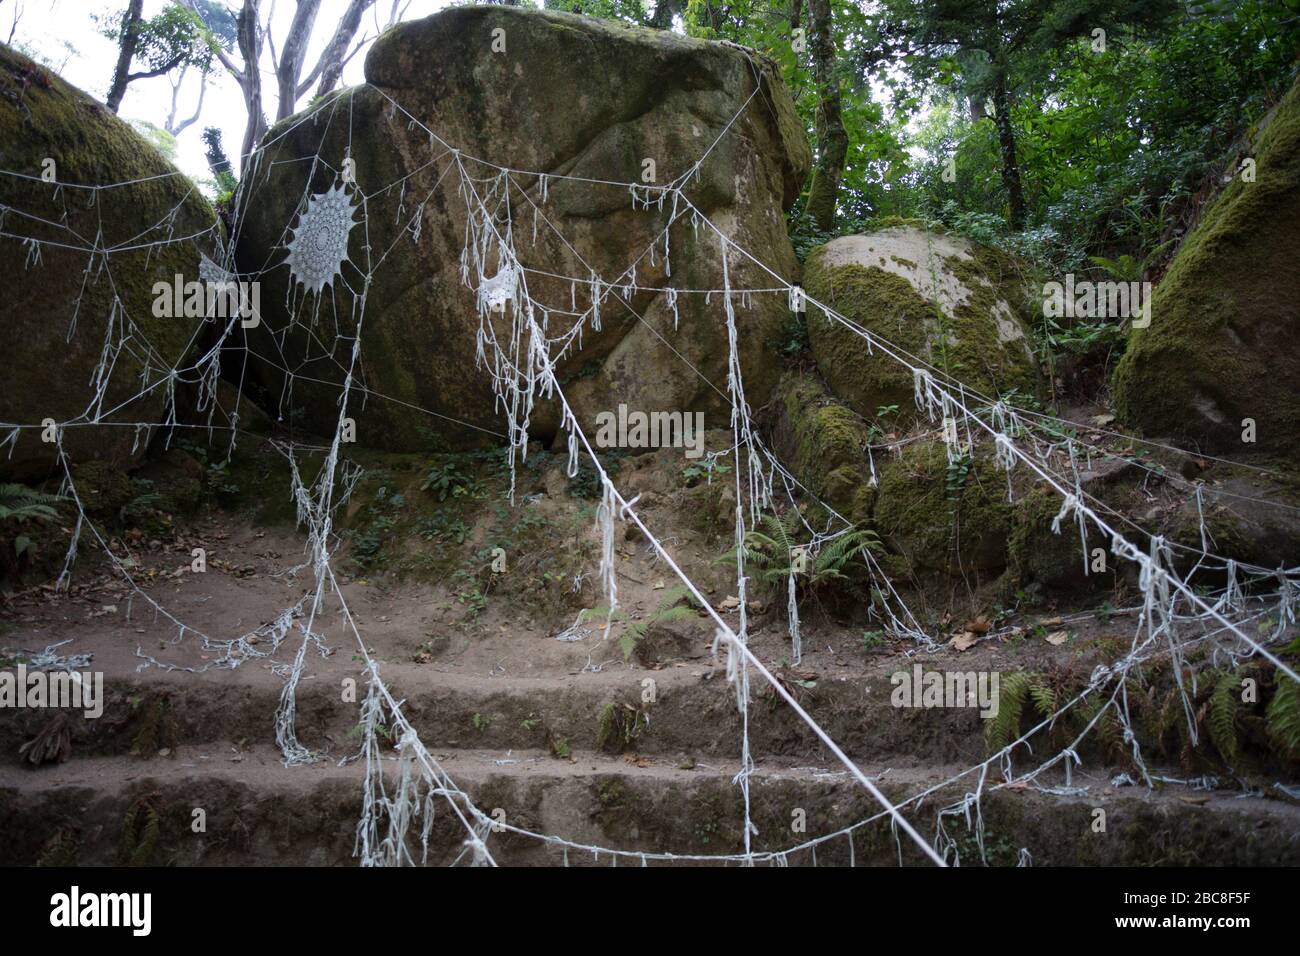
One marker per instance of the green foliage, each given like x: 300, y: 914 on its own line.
x: 449, y: 480
x: 20, y: 504
x: 1283, y: 717
x: 140, y: 830
x: 671, y: 608
x: 219, y: 163
x: 770, y: 554
x: 161, y: 140
x: 618, y: 727
x: 1221, y: 717
x: 1013, y: 692
x: 173, y: 37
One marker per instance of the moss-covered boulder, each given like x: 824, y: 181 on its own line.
x: 535, y: 91
x: 824, y: 445
x: 953, y: 518
x: 957, y: 306
x: 1224, y: 340
x: 79, y: 266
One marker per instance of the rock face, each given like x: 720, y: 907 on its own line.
x: 955, y: 305
x: 540, y: 92
x: 63, y: 303
x: 1224, y: 340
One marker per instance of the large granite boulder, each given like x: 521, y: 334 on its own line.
x: 1223, y: 344
x: 528, y: 91
x: 957, y: 306
x: 79, y: 268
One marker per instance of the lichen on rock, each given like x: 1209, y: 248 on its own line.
x: 939, y: 299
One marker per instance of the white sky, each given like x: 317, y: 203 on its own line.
x: 46, y: 25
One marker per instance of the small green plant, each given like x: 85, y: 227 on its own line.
x: 480, y: 722
x: 447, y: 480
x: 618, y: 727
x: 140, y: 829
x: 671, y: 608
x: 771, y: 553
x: 873, y: 640
x: 791, y: 338
x: 705, y: 469
x: 20, y: 504
x: 957, y: 474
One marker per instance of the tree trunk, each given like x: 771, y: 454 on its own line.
x: 295, y: 48
x: 125, y: 54
x: 1007, y: 144
x: 832, y: 138
x: 335, y: 55
x: 250, y: 48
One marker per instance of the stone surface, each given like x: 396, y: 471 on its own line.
x: 936, y: 297
x: 59, y: 308
x: 1223, y: 344
x: 570, y: 96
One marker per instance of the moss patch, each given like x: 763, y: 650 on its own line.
x: 1222, y: 344
x: 941, y: 523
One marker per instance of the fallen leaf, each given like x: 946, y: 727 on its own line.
x: 729, y: 604
x: 658, y: 585
x: 1102, y: 420
x: 1057, y: 638
x: 964, y: 640
x: 980, y: 625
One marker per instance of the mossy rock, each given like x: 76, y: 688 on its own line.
x: 1224, y: 340
x: 59, y: 302
x: 944, y: 300
x: 629, y: 94
x: 1039, y: 557
x: 103, y: 488
x: 938, y: 523
x: 824, y: 443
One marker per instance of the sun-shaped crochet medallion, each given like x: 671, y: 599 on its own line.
x: 319, y: 246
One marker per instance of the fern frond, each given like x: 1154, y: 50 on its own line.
x: 1222, y: 717
x: 1283, y: 717
x: 1004, y: 727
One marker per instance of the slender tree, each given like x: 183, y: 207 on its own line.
x: 176, y: 37
x: 832, y: 137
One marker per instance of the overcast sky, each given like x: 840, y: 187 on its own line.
x: 49, y: 26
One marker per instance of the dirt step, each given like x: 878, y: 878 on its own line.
x: 693, y: 713
x: 103, y: 810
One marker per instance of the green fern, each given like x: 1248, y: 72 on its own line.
x: 140, y: 830
x: 19, y: 503
x: 769, y: 553
x: 1221, y: 717
x: 670, y: 609
x: 1004, y: 727
x: 1283, y: 717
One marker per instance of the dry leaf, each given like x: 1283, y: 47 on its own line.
x: 729, y: 604
x: 1057, y: 638
x: 964, y: 640
x: 980, y: 625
